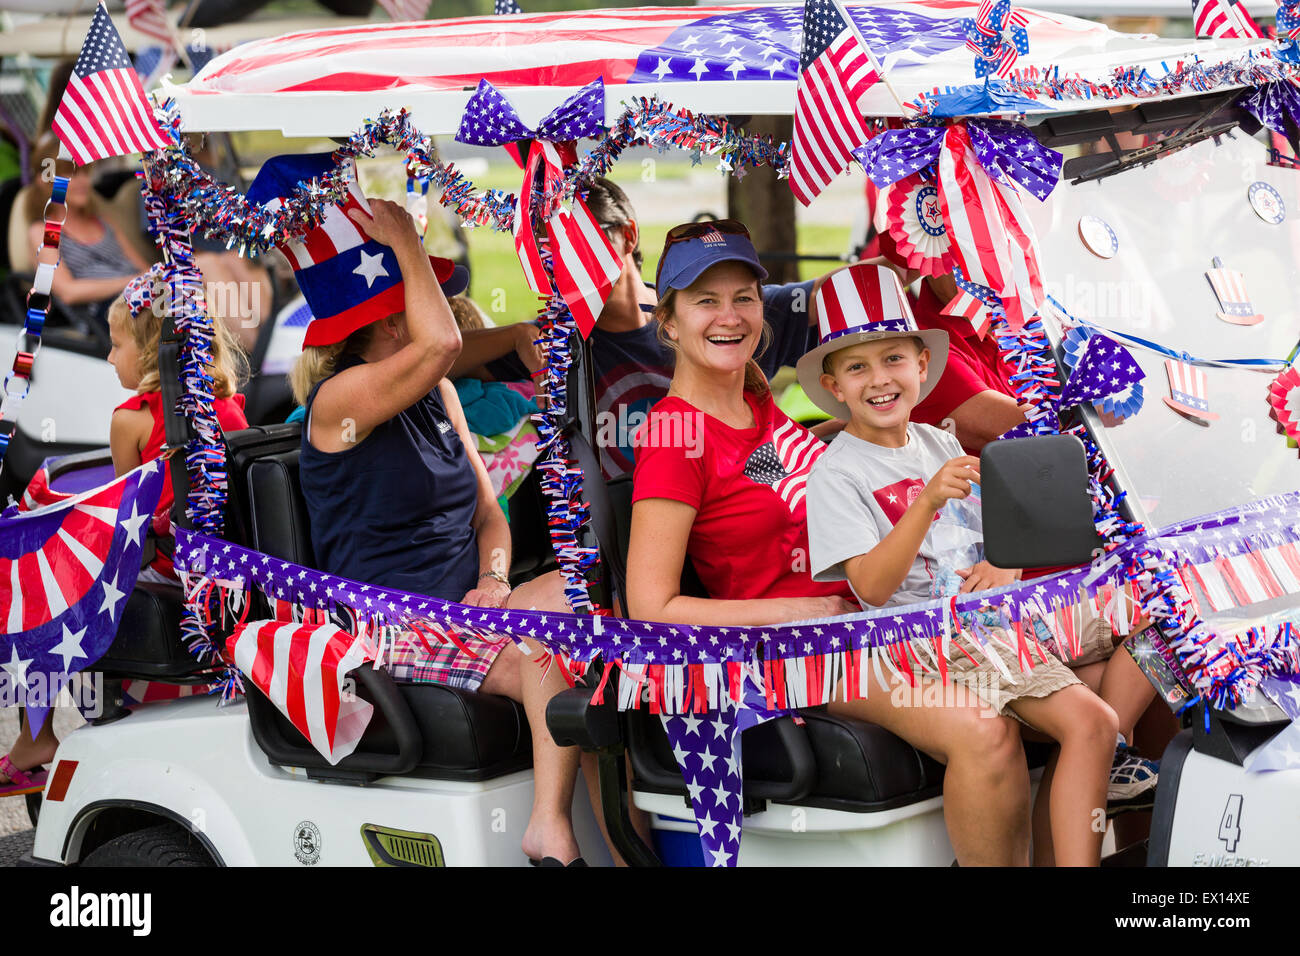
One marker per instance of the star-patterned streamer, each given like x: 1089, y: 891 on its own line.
x: 1105, y: 368
x: 65, y: 571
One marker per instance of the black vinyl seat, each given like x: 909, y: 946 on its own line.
x: 829, y: 761
x: 419, y: 729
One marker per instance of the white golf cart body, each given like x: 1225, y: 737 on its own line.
x: 199, y: 766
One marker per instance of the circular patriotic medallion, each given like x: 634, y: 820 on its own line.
x: 1284, y: 397
x: 1098, y: 237
x: 916, y: 223
x: 1267, y: 202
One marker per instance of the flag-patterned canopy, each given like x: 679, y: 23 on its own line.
x: 735, y: 59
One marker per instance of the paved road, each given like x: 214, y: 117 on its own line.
x: 15, y: 845
x: 13, y: 810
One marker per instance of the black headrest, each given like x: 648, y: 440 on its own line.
x: 279, y: 512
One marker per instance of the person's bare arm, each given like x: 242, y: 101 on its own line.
x: 660, y: 529
x: 984, y: 417
x: 480, y: 346
x: 880, y: 572
x: 127, y: 434
x: 132, y: 254
x: 490, y: 525
x: 373, y: 392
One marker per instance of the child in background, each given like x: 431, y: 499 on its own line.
x: 888, y: 511
x: 137, y: 431
x: 136, y: 435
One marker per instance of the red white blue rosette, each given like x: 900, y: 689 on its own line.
x: 916, y: 225
x: 1119, y: 406
x: 1284, y: 397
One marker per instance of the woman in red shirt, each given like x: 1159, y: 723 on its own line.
x: 721, y: 475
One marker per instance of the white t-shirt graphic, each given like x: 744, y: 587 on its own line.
x: 857, y: 492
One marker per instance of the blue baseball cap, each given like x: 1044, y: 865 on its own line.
x: 691, y: 249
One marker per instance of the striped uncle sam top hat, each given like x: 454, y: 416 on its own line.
x: 348, y: 279
x: 864, y: 303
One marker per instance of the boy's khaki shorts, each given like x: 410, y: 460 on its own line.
x: 1048, y: 674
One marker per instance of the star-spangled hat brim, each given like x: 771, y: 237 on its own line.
x: 1190, y: 412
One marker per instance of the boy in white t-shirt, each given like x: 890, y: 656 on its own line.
x: 890, y: 509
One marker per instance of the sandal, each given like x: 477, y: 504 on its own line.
x: 20, y: 781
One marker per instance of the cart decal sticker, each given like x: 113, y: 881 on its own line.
x: 1267, y: 203
x: 306, y: 843
x: 1187, y: 391
x: 1229, y: 287
x: 1230, y: 824
x: 65, y: 572
x: 1098, y: 237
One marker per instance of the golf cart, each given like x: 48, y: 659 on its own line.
x: 443, y: 776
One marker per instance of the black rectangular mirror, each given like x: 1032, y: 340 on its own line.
x: 1037, y: 512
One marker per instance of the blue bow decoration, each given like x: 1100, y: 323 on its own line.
x: 1273, y: 104
x: 997, y: 37
x: 490, y: 119
x: 1005, y: 150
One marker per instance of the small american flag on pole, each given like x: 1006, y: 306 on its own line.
x: 1223, y: 19
x: 835, y: 69
x: 405, y: 9
x: 585, y: 264
x: 147, y: 16
x: 104, y: 111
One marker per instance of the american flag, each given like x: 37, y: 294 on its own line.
x: 1188, y: 390
x: 1288, y: 19
x: 65, y: 572
x: 301, y: 668
x: 405, y: 9
x: 585, y: 264
x: 785, y: 462
x: 506, y: 8
x: 635, y: 46
x: 149, y: 18
x: 967, y: 305
x: 1230, y: 288
x: 544, y: 159
x: 104, y: 111
x: 1223, y: 19
x: 834, y: 71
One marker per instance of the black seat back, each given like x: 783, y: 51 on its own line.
x: 243, y: 449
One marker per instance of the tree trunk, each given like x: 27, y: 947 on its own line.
x: 766, y: 205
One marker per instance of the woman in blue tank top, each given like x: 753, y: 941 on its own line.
x: 396, y: 492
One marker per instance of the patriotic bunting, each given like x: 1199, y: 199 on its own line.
x: 104, y: 111
x: 1103, y: 369
x: 915, y: 221
x: 65, y: 571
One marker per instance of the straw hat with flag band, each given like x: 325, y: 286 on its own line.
x: 348, y: 279
x: 864, y: 303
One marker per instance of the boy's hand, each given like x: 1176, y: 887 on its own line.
x: 984, y: 576
x: 953, y: 480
